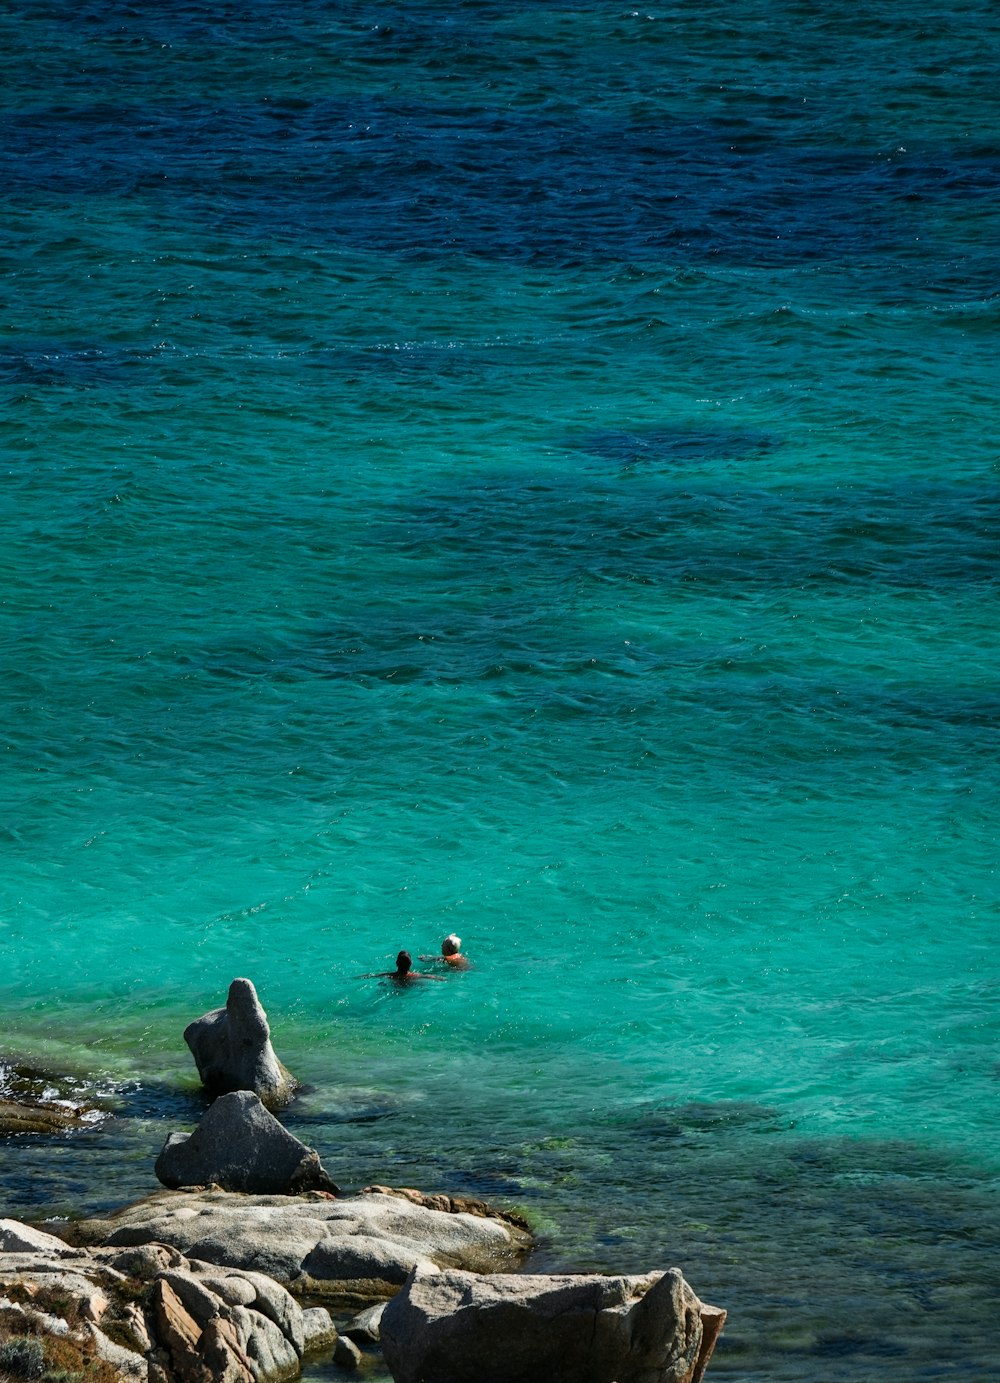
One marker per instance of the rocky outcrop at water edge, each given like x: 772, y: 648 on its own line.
x: 145, y: 1313
x: 184, y: 1287
x: 232, y: 1049
x: 362, y: 1247
x: 239, y: 1146
x: 456, y: 1327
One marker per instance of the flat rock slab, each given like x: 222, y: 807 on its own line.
x: 37, y: 1116
x: 35, y: 1101
x: 361, y: 1246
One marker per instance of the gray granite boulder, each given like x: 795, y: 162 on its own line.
x: 361, y: 1247
x: 241, y: 1147
x: 347, y: 1355
x: 456, y: 1327
x: 232, y: 1049
x: 363, y: 1328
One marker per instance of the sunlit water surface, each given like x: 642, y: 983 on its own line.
x: 527, y: 471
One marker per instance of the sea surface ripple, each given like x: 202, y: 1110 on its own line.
x: 528, y: 471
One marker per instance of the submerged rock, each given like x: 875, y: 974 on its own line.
x: 456, y: 1327
x: 365, y: 1246
x: 35, y: 1101
x: 241, y: 1147
x: 232, y: 1049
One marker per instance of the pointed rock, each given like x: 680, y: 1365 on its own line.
x: 232, y: 1049
x: 241, y: 1147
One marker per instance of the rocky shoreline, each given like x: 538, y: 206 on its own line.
x: 339, y: 1249
x: 230, y: 1273
x: 214, y: 1285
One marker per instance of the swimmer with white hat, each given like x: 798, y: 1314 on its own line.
x: 451, y: 954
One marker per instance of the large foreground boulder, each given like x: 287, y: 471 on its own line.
x: 456, y: 1327
x: 232, y: 1049
x: 361, y: 1247
x: 241, y: 1147
x: 147, y: 1314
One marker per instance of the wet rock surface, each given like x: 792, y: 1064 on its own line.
x: 34, y: 1101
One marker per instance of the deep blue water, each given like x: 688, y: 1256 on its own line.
x: 526, y: 470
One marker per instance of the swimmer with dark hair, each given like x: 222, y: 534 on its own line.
x: 451, y: 954
x: 403, y: 975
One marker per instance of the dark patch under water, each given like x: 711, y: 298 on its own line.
x: 399, y: 176
x: 668, y: 531
x: 64, y: 363
x: 671, y: 447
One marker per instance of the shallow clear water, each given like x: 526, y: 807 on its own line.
x: 529, y: 472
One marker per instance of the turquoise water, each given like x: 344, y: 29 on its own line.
x: 528, y: 471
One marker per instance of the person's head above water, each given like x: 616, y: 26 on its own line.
x: 451, y: 953
x: 404, y: 975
